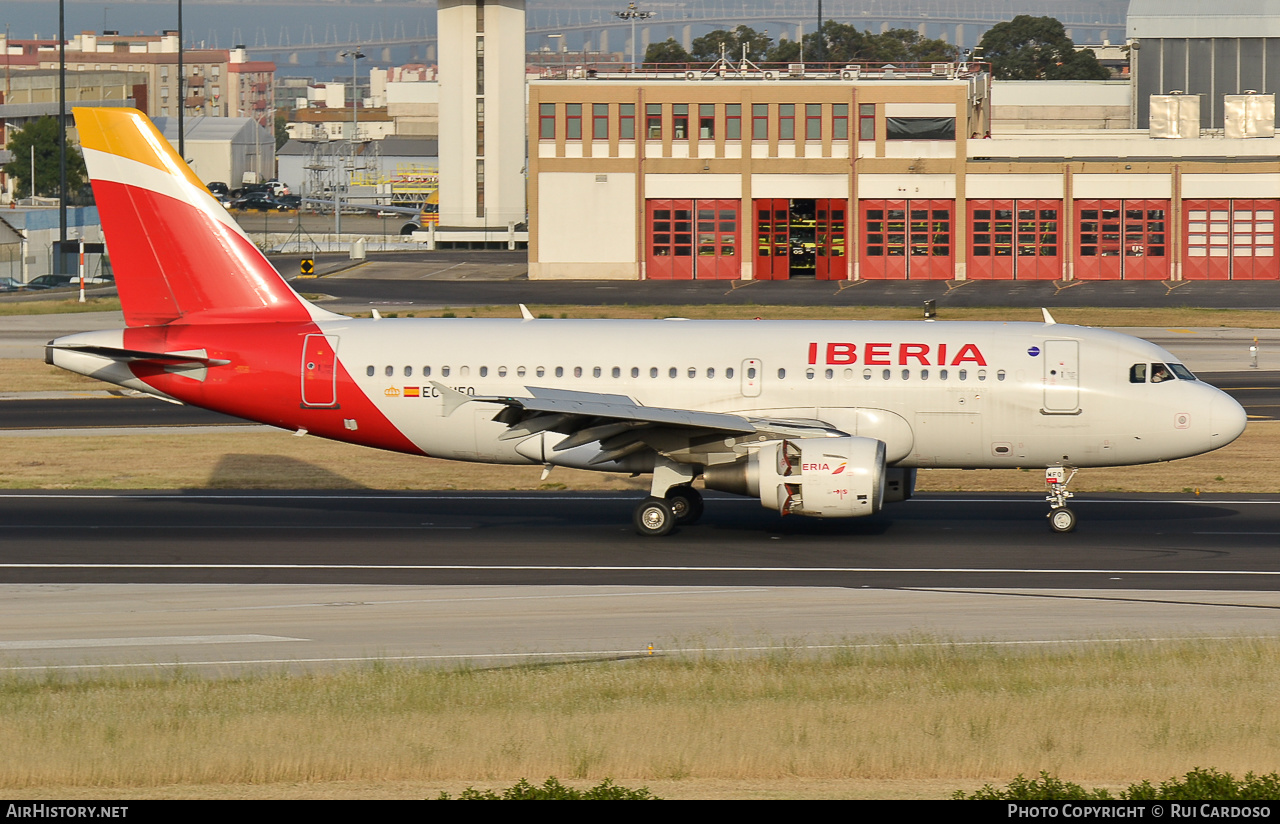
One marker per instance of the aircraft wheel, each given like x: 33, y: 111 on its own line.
x: 685, y: 503
x: 654, y: 518
x: 1062, y: 519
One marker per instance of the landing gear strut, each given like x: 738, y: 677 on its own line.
x: 672, y: 499
x: 1056, y: 479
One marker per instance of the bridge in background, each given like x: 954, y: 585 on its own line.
x: 574, y: 29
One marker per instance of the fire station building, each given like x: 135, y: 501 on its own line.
x: 854, y: 172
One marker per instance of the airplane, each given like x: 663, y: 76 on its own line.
x: 830, y: 419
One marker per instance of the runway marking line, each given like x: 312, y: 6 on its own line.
x: 560, y: 568
x: 184, y: 640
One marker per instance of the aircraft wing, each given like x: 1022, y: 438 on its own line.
x: 623, y: 426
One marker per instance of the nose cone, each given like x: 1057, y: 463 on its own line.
x: 1226, y: 420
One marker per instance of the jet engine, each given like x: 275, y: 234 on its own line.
x: 821, y: 477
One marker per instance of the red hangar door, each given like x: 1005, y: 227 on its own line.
x: 1230, y: 239
x: 831, y: 246
x: 773, y: 239
x: 1122, y: 239
x: 907, y: 239
x: 1015, y: 239
x: 690, y: 239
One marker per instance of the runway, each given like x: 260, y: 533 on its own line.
x: 934, y: 540
x: 140, y: 581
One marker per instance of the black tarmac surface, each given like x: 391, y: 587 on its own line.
x: 1152, y: 542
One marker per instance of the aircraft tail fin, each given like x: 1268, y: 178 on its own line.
x: 178, y: 256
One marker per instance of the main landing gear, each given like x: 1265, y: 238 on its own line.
x: 655, y: 517
x: 1056, y: 479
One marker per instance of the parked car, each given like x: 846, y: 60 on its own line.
x: 52, y: 282
x: 68, y: 281
x: 261, y: 204
x: 217, y: 187
x: 10, y: 285
x: 239, y: 201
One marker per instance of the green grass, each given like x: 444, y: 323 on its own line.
x: 58, y: 306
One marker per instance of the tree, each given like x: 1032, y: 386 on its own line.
x: 1037, y: 48
x: 787, y: 51
x: 43, y: 135
x: 281, y: 129
x: 668, y: 51
x: 706, y: 49
x: 843, y: 43
x: 909, y: 46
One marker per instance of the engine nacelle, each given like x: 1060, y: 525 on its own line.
x: 821, y: 477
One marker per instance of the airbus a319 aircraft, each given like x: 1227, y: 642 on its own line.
x: 828, y: 419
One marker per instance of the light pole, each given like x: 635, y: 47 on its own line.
x: 354, y: 54
x: 62, y: 137
x: 182, y: 94
x: 633, y: 14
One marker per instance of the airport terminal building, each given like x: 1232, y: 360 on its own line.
x: 738, y: 172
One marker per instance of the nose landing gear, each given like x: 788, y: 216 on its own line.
x: 1056, y: 479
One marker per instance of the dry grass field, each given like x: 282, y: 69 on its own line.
x: 904, y: 720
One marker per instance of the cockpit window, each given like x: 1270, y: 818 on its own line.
x: 1159, y: 372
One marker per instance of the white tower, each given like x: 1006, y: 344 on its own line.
x: 482, y: 126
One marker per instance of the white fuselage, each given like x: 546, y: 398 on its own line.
x: 938, y: 394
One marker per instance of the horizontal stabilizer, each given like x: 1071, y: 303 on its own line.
x: 135, y: 356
